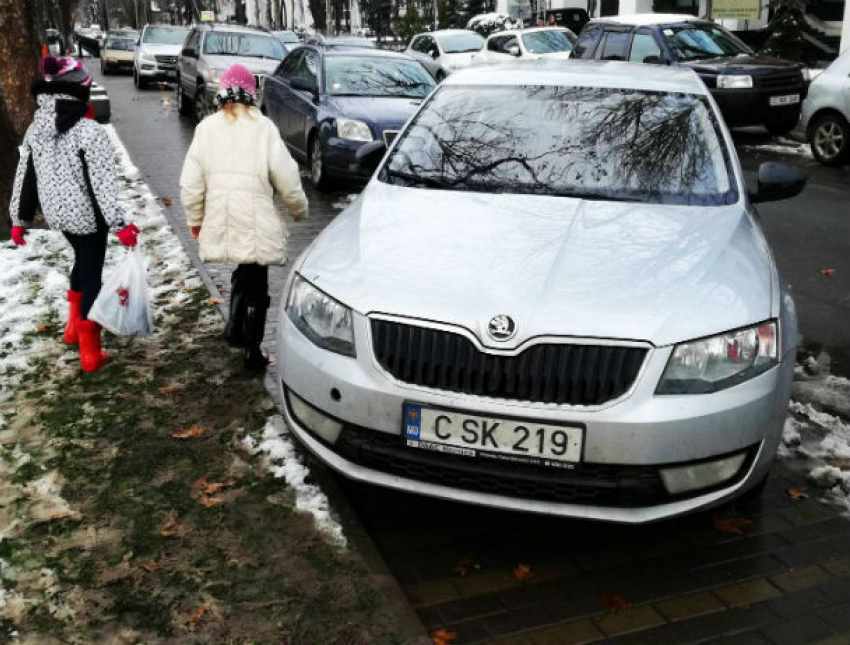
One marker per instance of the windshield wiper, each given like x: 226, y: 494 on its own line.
x: 427, y: 181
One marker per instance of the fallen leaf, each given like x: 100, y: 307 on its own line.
x: 43, y: 328
x: 166, y: 201
x: 172, y: 388
x: 522, y: 572
x: 150, y: 566
x: 203, y: 500
x: 442, y: 637
x: 190, y: 433
x: 827, y: 272
x: 214, y: 301
x: 615, y: 603
x: 797, y: 494
x: 171, y: 529
x: 464, y: 565
x: 195, y: 618
x: 731, y: 524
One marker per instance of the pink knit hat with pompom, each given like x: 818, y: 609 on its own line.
x: 238, y: 76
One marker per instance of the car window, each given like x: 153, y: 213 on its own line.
x: 645, y: 49
x: 702, y: 41
x: 308, y: 68
x: 194, y: 42
x: 249, y: 45
x: 462, y: 42
x: 364, y: 76
x: 418, y: 45
x: 287, y: 67
x: 165, y: 35
x: 587, y: 142
x: 428, y: 44
x: 120, y: 44
x: 615, y: 46
x: 587, y: 41
x: 548, y: 42
x: 495, y: 44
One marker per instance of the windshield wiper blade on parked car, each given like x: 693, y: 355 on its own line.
x: 427, y: 181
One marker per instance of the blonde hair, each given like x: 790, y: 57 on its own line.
x: 233, y: 111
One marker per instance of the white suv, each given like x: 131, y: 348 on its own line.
x: 155, y: 57
x: 826, y: 113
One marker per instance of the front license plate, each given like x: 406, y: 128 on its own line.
x: 470, y: 435
x: 785, y: 99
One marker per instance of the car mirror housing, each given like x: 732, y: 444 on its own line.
x: 513, y: 50
x: 369, y: 155
x: 778, y: 181
x: 434, y: 54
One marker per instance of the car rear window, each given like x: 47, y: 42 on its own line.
x: 588, y: 142
x: 548, y: 42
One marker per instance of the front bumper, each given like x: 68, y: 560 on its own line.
x: 625, y: 440
x: 742, y: 108
x: 152, y: 71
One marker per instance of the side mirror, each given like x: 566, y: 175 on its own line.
x: 778, y: 181
x: 302, y: 85
x: 434, y: 54
x: 188, y: 51
x: 369, y: 155
x: 513, y: 50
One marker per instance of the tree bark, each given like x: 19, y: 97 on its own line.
x: 19, y: 53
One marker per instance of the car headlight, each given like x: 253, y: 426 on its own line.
x: 718, y: 362
x: 147, y: 57
x: 353, y: 130
x: 734, y: 81
x: 323, y: 320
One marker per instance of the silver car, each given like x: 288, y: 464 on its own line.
x: 445, y: 51
x: 554, y: 296
x: 826, y: 113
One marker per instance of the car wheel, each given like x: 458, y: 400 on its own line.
x: 184, y: 105
x: 830, y: 139
x: 318, y: 175
x: 103, y: 68
x: 782, y: 127
x: 139, y: 82
x: 202, y: 109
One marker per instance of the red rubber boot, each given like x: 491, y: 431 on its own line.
x: 92, y: 357
x: 71, y: 335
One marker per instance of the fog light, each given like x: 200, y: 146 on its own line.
x: 701, y: 475
x: 319, y: 424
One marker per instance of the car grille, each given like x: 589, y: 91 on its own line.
x: 389, y: 136
x: 166, y: 62
x: 782, y: 80
x: 545, y: 373
x: 597, y: 484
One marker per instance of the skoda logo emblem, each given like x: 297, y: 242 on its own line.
x: 501, y: 327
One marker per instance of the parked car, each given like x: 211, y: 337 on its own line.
x: 289, y: 39
x: 209, y: 50
x: 327, y: 103
x: 527, y: 44
x: 116, y: 55
x: 155, y: 57
x: 826, y: 113
x: 529, y: 308
x: 750, y: 89
x: 445, y: 51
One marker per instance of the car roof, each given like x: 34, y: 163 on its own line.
x: 527, y: 30
x: 648, y: 19
x: 362, y: 52
x: 580, y: 73
x: 231, y: 27
x: 446, y: 32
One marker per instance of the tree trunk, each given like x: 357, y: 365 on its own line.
x: 19, y: 53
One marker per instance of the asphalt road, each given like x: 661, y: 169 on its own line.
x: 780, y: 578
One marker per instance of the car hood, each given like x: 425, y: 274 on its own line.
x: 162, y: 50
x: 460, y: 59
x: 387, y: 111
x: 253, y: 64
x: 746, y: 63
x: 552, y: 55
x: 557, y: 266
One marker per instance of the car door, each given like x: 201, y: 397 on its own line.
x: 496, y: 49
x: 279, y: 98
x: 415, y: 49
x: 302, y: 110
x: 189, y: 62
x: 645, y: 48
x: 428, y: 45
x: 614, y: 45
x: 587, y: 40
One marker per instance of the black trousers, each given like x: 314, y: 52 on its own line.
x: 254, y: 282
x: 87, y: 274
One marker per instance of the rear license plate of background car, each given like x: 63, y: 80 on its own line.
x: 786, y: 99
x: 471, y: 435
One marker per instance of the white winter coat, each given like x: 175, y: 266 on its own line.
x: 229, y: 175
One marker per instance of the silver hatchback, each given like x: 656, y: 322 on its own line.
x: 553, y: 296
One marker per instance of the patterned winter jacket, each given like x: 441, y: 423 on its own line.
x: 66, y: 167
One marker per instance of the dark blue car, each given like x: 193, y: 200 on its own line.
x: 328, y: 102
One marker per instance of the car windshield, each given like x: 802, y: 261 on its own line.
x: 250, y: 45
x: 547, y: 42
x: 698, y: 42
x: 592, y: 143
x: 120, y: 43
x: 364, y: 76
x: 457, y: 43
x: 164, y: 36
x: 286, y: 37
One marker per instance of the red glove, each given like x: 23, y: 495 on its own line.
x: 195, y: 231
x: 18, y: 233
x: 127, y: 235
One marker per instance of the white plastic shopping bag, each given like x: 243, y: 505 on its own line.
x: 123, y: 305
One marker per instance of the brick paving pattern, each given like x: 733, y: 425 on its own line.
x: 769, y: 571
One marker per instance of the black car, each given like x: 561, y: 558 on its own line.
x: 749, y: 89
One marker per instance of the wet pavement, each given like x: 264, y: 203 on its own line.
x: 774, y: 570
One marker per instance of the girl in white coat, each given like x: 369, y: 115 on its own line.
x: 235, y: 163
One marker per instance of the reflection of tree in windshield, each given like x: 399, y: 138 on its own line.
x: 351, y: 77
x: 587, y: 142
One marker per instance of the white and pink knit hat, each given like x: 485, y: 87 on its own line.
x: 238, y: 76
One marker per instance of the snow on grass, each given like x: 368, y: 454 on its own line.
x: 285, y: 462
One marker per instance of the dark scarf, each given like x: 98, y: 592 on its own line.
x: 68, y: 111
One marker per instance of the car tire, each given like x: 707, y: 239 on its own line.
x: 103, y: 68
x: 782, y: 127
x: 316, y: 162
x: 829, y: 139
x: 184, y: 105
x: 138, y: 81
x: 200, y: 104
